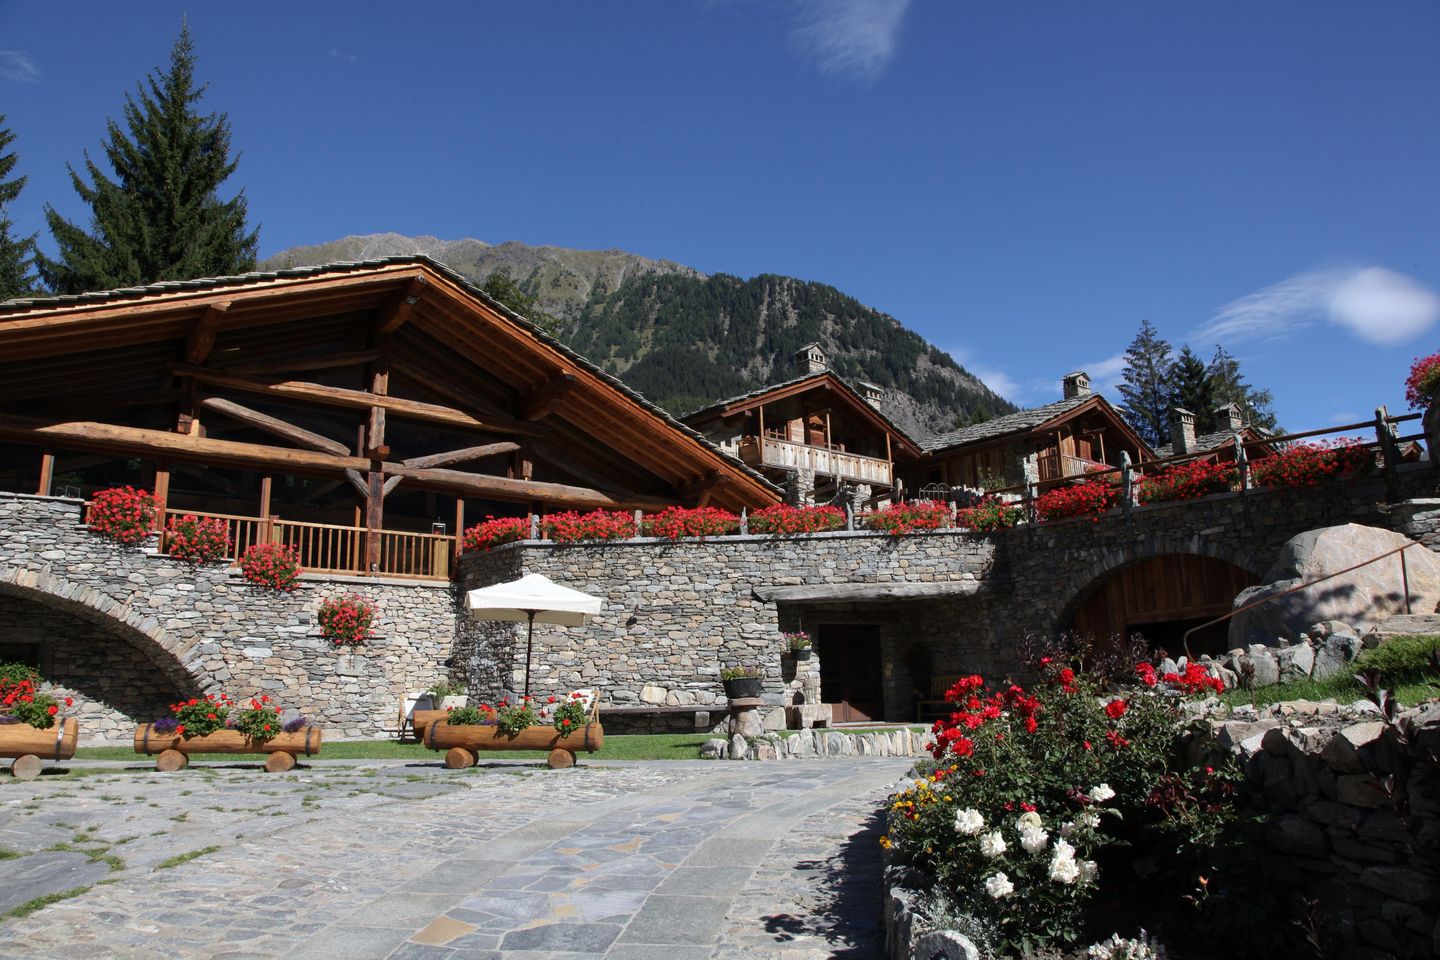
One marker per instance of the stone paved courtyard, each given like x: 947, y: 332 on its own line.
x: 677, y: 860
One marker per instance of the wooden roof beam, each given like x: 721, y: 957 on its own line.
x: 544, y: 400
x: 309, y: 361
x: 275, y: 426
x: 202, y: 336
x: 703, y: 489
x: 294, y: 391
x: 399, y: 312
x: 506, y: 488
x: 464, y: 455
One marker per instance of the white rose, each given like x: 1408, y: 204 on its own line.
x: 1028, y: 819
x: 1067, y: 829
x: 992, y: 845
x: 1088, y: 818
x: 969, y: 822
x: 1033, y: 839
x: 1064, y: 851
x: 1064, y: 869
x: 1101, y: 793
x: 999, y: 886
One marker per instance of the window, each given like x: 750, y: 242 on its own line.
x: 26, y: 653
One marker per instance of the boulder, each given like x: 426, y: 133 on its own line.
x: 944, y: 945
x: 1295, y: 661
x: 1335, y: 655
x: 713, y: 749
x: 1360, y: 599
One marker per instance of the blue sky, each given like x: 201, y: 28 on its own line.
x: 1022, y: 183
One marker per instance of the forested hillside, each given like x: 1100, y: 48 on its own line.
x: 685, y: 339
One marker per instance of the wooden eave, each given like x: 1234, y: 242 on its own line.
x: 145, y: 332
x: 1039, y: 431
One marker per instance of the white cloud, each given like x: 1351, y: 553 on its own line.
x: 337, y: 54
x: 1377, y: 305
x: 851, y: 38
x: 17, y: 65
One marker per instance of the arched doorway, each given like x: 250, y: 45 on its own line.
x: 1161, y: 598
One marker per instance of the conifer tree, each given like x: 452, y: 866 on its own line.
x: 1145, y: 388
x: 161, y: 218
x: 501, y: 286
x: 1192, y: 390
x: 16, y: 253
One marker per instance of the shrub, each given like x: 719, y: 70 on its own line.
x: 271, y: 565
x: 1423, y: 379
x: 478, y: 715
x: 1186, y: 481
x: 783, y: 520
x: 575, y: 527
x: 991, y: 513
x: 676, y: 523
x: 200, y: 716
x: 198, y: 539
x: 1039, y: 799
x: 898, y: 519
x: 258, y: 720
x: 1086, y: 498
x: 16, y: 672
x: 346, y: 619
x: 123, y: 514
x: 568, y: 715
x: 511, y: 718
x: 441, y: 689
x: 495, y: 531
x: 21, y: 701
x: 1400, y: 660
x: 1304, y: 464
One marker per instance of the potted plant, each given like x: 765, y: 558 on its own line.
x: 216, y: 724
x: 798, y: 643
x: 562, y: 727
x: 31, y: 727
x: 447, y: 695
x: 742, y: 682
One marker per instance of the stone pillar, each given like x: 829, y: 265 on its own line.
x: 800, y: 488
x: 745, y: 718
x: 860, y: 494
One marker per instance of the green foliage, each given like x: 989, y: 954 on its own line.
x: 502, y: 287
x: 12, y: 673
x: 1401, y: 659
x: 511, y: 718
x: 1227, y: 385
x: 1193, y: 391
x: 1145, y: 391
x: 16, y: 253
x: 687, y: 341
x: 446, y: 688
x: 161, y: 217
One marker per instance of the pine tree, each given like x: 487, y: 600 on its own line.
x: 501, y: 286
x: 16, y: 254
x: 1227, y: 384
x: 161, y: 217
x: 1145, y: 389
x: 1193, y: 391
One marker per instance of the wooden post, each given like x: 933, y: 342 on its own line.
x: 374, y: 519
x: 1385, y: 436
x: 162, y: 496
x: 459, y: 525
x: 265, y: 495
x: 828, y: 444
x: 47, y: 473
x: 760, y: 411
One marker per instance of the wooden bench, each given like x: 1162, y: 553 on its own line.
x: 936, y: 705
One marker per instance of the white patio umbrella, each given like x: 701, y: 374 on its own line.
x: 529, y: 599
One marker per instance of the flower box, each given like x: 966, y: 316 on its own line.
x: 29, y: 746
x: 461, y: 743
x: 744, y: 687
x: 173, y: 752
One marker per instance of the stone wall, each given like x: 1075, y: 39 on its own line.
x: 204, y: 629
x: 1355, y: 820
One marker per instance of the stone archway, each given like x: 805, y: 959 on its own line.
x: 1160, y: 597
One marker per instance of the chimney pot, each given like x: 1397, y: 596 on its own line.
x: 1075, y: 384
x: 810, y: 359
x: 1231, y: 416
x: 1182, y: 432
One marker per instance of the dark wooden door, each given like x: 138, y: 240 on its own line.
x: 850, y: 671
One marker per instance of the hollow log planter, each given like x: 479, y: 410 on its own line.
x: 30, y: 746
x: 173, y: 752
x: 463, y: 743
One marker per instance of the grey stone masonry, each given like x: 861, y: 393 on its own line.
x: 107, y: 616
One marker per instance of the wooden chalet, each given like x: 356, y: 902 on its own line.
x: 1044, y: 445
x: 1218, y: 444
x: 360, y: 412
x: 816, y: 422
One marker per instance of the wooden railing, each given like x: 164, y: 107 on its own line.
x: 334, y: 548
x: 1059, y: 466
x: 771, y: 452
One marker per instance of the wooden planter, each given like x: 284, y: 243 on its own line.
x: 174, y: 752
x: 30, y: 746
x: 463, y: 743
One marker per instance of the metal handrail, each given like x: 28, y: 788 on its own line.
x: 1404, y: 580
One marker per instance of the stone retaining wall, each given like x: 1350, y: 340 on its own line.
x: 813, y: 743
x: 106, y: 616
x: 1355, y: 820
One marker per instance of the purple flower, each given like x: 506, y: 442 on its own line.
x: 295, y: 723
x: 6, y: 718
x: 165, y: 725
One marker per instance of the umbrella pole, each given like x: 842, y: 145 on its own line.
x: 529, y: 643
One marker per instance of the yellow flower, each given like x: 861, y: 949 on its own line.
x: 885, y: 842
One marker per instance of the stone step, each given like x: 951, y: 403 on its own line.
x: 1403, y: 625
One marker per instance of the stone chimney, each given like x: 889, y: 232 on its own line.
x: 1230, y: 417
x: 810, y: 359
x: 872, y: 392
x: 1076, y: 384
x: 1182, y: 432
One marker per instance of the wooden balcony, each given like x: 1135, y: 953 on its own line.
x: 1062, y: 466
x: 786, y: 455
x: 336, y: 549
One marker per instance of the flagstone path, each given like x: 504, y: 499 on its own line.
x: 626, y: 861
